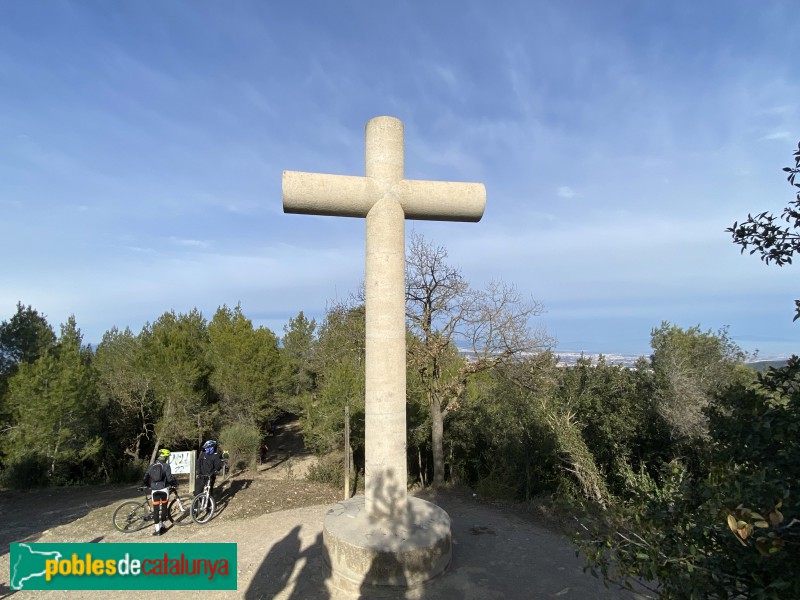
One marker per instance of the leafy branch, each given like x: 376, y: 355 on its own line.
x: 776, y: 238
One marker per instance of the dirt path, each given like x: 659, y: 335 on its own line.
x: 275, y: 517
x: 496, y: 555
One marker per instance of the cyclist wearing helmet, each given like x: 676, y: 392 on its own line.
x: 159, y: 479
x: 210, y: 463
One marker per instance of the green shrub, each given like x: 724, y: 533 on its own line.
x: 26, y: 472
x: 730, y: 532
x: 328, y: 470
x: 500, y: 483
x: 241, y: 441
x: 129, y: 472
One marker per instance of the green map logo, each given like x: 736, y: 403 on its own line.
x: 28, y: 564
x: 68, y: 566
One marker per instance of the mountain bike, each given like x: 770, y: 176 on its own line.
x: 203, y: 504
x: 133, y: 516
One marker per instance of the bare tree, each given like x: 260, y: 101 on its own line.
x: 488, y: 327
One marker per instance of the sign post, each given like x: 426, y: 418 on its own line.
x: 184, y: 462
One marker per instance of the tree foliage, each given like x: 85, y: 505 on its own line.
x: 55, y: 409
x: 338, y: 366
x: 24, y: 338
x: 758, y: 442
x: 774, y: 238
x: 69, y: 414
x: 175, y: 350
x: 732, y: 532
x: 559, y: 428
x: 298, y: 376
x: 126, y: 386
x: 614, y: 410
x: 692, y: 367
x: 244, y: 365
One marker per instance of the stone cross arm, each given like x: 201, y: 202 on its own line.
x: 347, y: 196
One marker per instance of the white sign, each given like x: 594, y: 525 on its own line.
x: 181, y: 462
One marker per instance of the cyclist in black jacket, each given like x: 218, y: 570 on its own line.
x: 159, y: 479
x: 210, y: 462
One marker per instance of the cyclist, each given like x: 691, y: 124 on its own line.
x: 210, y: 462
x: 159, y: 479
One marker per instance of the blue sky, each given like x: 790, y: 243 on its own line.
x: 142, y: 145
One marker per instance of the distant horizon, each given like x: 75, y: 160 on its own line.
x: 276, y: 326
x: 615, y: 355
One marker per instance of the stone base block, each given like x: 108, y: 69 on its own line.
x: 370, y: 556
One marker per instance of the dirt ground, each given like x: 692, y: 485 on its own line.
x: 275, y: 516
x: 277, y: 484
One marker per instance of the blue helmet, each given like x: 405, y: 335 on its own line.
x: 209, y: 446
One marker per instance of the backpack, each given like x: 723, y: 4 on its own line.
x: 156, y: 472
x: 206, y: 464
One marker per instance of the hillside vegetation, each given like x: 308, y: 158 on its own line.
x: 687, y: 465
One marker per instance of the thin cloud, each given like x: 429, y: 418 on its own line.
x: 140, y: 249
x: 777, y: 135
x: 446, y: 75
x: 565, y: 192
x: 189, y: 243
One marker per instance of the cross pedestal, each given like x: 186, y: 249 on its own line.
x: 384, y: 537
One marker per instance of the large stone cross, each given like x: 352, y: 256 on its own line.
x: 385, y: 199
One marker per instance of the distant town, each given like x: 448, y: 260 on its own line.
x: 569, y: 359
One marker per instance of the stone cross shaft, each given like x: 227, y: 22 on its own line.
x: 385, y: 199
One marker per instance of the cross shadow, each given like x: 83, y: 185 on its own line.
x: 385, y: 487
x: 386, y: 577
x: 275, y: 573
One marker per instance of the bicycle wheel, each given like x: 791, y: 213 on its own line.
x: 131, y: 516
x: 202, y: 509
x: 180, y: 510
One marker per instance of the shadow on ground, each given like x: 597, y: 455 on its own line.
x: 226, y: 493
x: 496, y: 555
x: 277, y: 571
x: 28, y: 514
